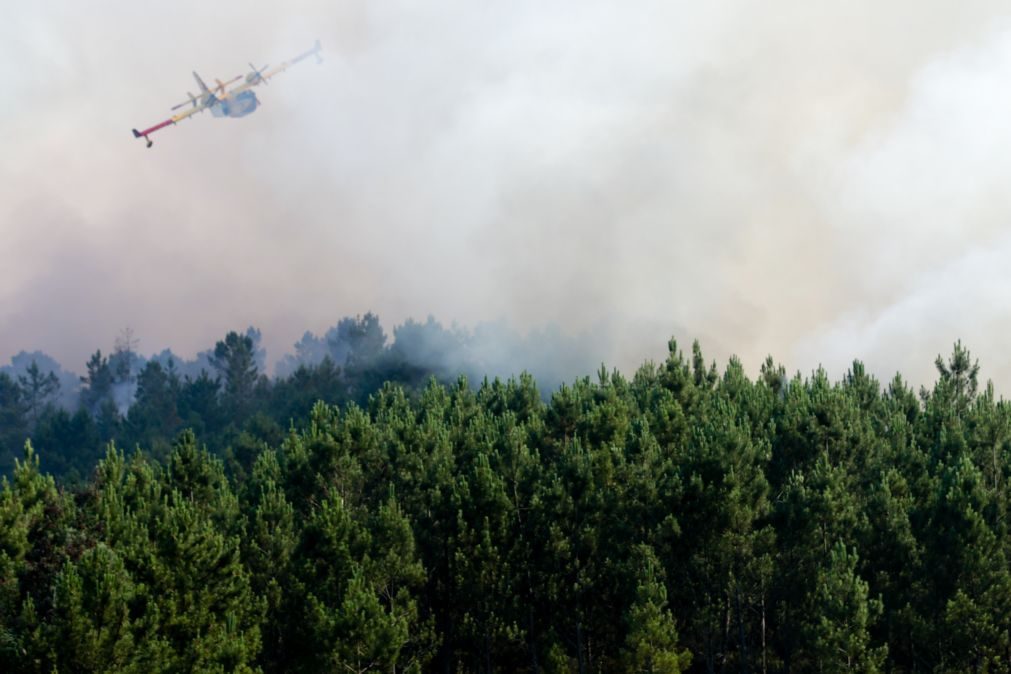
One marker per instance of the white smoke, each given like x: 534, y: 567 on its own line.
x: 790, y: 180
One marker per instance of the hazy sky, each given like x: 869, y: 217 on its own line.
x: 821, y: 181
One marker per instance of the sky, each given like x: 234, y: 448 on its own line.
x: 818, y: 181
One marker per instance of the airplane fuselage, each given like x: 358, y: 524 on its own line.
x: 239, y: 105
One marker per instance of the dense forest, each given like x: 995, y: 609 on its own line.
x: 682, y: 519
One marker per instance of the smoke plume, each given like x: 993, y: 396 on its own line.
x: 819, y: 181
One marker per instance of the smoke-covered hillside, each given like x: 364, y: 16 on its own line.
x: 227, y: 395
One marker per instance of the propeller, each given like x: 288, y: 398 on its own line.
x: 256, y: 76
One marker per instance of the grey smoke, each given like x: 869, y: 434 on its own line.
x: 819, y: 181
x: 489, y: 351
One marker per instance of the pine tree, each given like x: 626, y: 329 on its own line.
x: 34, y: 535
x: 154, y: 416
x: 13, y: 422
x: 968, y: 573
x: 351, y: 614
x: 235, y: 360
x: 651, y: 644
x: 93, y: 631
x: 841, y: 616
x: 37, y: 390
x: 176, y: 531
x: 97, y: 383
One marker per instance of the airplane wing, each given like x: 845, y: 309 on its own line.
x: 256, y: 77
x: 315, y: 51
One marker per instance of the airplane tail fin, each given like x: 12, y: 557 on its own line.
x: 203, y: 87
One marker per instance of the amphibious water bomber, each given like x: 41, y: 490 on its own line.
x: 224, y: 102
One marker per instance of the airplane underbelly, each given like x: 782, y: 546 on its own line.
x: 242, y: 105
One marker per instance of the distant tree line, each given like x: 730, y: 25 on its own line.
x: 682, y: 520
x: 223, y: 395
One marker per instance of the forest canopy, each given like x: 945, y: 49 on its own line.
x: 681, y: 519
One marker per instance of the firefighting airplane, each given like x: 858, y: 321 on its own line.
x: 237, y: 102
